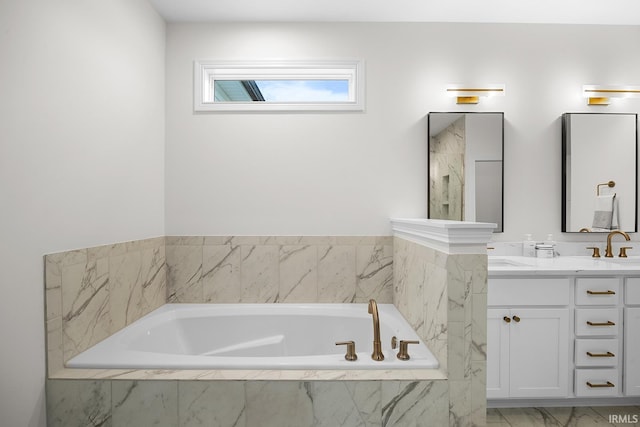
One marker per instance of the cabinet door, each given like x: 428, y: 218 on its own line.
x: 632, y: 351
x: 539, y: 353
x: 497, y: 353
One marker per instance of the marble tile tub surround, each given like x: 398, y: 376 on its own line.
x: 94, y: 292
x: 440, y: 286
x: 247, y: 403
x: 289, y: 269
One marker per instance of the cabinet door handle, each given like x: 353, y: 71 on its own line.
x: 607, y: 323
x: 607, y: 354
x: 516, y: 318
x: 608, y: 384
x: 506, y: 319
x: 590, y: 292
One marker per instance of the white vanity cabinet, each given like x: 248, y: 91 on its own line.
x: 564, y: 334
x: 528, y: 337
x: 598, y: 326
x: 632, y: 336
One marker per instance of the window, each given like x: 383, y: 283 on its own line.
x: 332, y: 85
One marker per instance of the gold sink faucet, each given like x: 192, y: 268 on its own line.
x: 609, y: 253
x: 377, y: 344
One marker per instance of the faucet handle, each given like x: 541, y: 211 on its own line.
x: 596, y: 251
x: 403, y: 354
x: 623, y: 251
x: 351, y: 350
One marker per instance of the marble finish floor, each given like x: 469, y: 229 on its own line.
x: 579, y: 417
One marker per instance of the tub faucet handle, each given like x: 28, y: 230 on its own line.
x: 403, y: 354
x: 351, y: 350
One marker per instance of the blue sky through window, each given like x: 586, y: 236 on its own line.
x: 304, y: 90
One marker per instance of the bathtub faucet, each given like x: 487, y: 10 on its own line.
x: 377, y: 344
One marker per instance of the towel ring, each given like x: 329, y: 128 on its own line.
x: 609, y: 184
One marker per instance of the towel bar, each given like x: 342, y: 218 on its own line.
x: 610, y: 184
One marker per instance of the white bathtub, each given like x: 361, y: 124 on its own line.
x: 256, y: 336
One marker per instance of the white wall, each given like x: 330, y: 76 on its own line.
x: 81, y: 158
x: 348, y: 173
x: 81, y: 154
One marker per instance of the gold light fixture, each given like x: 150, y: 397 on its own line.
x: 471, y: 94
x: 600, y: 95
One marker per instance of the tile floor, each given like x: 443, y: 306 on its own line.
x: 579, y: 417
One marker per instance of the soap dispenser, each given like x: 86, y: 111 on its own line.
x: 528, y: 246
x: 551, y: 243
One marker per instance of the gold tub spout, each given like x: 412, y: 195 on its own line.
x: 377, y: 344
x: 609, y: 253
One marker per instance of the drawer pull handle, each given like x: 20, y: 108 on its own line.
x: 516, y: 318
x: 506, y: 319
x: 607, y: 323
x: 601, y: 292
x: 607, y: 354
x: 608, y: 384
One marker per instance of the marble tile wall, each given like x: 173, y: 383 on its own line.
x: 94, y: 292
x: 91, y: 293
x: 247, y: 403
x: 446, y: 180
x: 444, y: 297
x: 283, y: 269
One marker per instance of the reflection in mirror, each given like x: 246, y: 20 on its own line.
x: 599, y: 172
x: 465, y: 161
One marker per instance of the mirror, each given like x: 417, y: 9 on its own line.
x: 599, y: 172
x: 465, y: 161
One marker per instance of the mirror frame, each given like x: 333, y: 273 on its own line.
x: 565, y: 169
x: 500, y: 227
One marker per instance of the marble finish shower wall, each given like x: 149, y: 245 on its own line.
x: 444, y: 297
x: 94, y: 292
x: 446, y: 183
x: 247, y: 403
x: 282, y: 269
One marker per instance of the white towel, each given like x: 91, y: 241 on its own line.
x: 605, y: 213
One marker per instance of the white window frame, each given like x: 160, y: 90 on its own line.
x: 207, y: 71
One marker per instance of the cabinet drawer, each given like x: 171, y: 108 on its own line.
x: 598, y: 321
x: 597, y: 290
x: 597, y: 352
x: 597, y: 382
x: 632, y: 291
x: 528, y: 291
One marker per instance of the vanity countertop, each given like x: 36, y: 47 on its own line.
x: 580, y: 265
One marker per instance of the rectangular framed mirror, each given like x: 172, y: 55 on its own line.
x: 599, y: 172
x: 466, y: 167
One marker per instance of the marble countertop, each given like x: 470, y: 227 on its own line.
x: 574, y: 265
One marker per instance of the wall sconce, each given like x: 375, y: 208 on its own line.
x: 599, y: 95
x: 470, y: 94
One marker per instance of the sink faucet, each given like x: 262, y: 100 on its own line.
x: 609, y: 253
x: 377, y: 344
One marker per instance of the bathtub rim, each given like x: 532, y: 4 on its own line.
x: 171, y: 311
x: 353, y: 374
x: 251, y: 375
